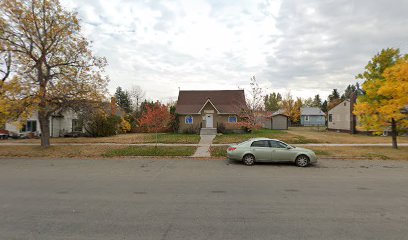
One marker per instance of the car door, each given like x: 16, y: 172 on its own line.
x: 280, y: 152
x: 261, y: 150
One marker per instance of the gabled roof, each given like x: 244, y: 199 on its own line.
x: 224, y: 101
x: 280, y: 112
x: 311, y: 111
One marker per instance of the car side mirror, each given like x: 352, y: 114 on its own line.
x: 288, y: 147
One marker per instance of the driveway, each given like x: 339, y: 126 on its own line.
x: 201, y: 199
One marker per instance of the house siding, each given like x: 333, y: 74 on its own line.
x: 280, y: 122
x: 313, y: 120
x: 199, y: 120
x: 340, y: 117
x: 58, y: 125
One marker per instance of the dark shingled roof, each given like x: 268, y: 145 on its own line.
x: 225, y: 101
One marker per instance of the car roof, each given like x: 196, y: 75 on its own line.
x: 257, y: 139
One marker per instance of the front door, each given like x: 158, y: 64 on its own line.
x: 209, y: 121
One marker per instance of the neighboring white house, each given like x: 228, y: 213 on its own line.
x: 60, y: 124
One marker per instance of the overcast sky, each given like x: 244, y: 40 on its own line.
x: 305, y: 47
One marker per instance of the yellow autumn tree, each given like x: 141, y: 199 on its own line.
x: 50, y: 57
x: 384, y: 103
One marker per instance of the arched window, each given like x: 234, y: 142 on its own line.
x: 232, y: 119
x: 188, y: 119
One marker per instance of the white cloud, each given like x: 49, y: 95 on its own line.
x: 303, y: 47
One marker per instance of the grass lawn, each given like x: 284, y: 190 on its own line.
x: 303, y: 135
x: 267, y: 133
x: 151, y: 151
x: 125, y: 138
x: 375, y: 153
x: 324, y: 136
x: 93, y: 152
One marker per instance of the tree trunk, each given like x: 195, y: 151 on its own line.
x: 394, y: 133
x: 45, y: 128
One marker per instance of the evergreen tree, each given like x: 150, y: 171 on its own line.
x: 349, y: 90
x: 273, y: 102
x: 324, y: 106
x: 317, y: 101
x: 334, y: 99
x: 123, y: 100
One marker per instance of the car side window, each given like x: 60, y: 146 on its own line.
x: 260, y: 143
x: 276, y: 144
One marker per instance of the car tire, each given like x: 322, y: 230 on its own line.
x: 248, y: 159
x: 302, y: 161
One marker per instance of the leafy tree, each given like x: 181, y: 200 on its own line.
x: 155, y: 119
x: 51, y: 57
x: 99, y: 124
x: 292, y: 107
x: 349, y: 90
x: 308, y: 102
x: 317, y: 101
x: 272, y: 102
x: 123, y: 100
x: 174, y: 121
x: 386, y: 87
x: 124, y: 126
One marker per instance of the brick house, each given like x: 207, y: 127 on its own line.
x: 205, y: 111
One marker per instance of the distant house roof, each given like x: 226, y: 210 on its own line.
x: 224, y: 101
x: 311, y: 111
x: 280, y: 112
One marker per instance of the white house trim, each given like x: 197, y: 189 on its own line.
x: 208, y: 101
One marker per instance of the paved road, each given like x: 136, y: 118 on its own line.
x: 200, y: 199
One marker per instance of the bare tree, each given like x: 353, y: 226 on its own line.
x: 137, y: 95
x: 254, y: 103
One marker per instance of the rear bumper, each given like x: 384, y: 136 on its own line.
x: 233, y: 156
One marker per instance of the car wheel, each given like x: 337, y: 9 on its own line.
x: 302, y: 161
x: 249, y: 159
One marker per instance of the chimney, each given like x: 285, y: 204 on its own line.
x: 113, y: 106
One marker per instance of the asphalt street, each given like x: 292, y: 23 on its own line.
x: 202, y: 199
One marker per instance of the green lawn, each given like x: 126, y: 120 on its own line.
x: 172, y: 138
x: 151, y: 151
x: 218, y: 151
x: 267, y: 133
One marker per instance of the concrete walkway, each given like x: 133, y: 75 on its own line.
x: 204, y: 145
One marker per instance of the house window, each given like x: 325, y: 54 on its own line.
x: 232, y: 119
x: 76, y: 125
x: 330, y: 117
x: 189, y: 119
x: 30, y: 126
x: 306, y: 118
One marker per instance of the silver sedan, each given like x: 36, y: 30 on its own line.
x: 270, y: 150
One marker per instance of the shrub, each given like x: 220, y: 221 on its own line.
x: 191, y: 130
x: 124, y: 126
x: 102, y: 125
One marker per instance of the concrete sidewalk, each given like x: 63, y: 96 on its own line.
x: 203, y: 149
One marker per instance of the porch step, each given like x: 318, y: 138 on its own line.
x: 208, y: 131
